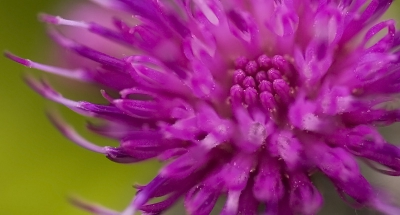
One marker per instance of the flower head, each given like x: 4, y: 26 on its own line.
x: 242, y: 98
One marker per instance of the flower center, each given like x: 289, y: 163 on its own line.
x: 266, y: 82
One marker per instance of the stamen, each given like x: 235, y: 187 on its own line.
x: 232, y: 201
x: 143, y: 196
x: 78, y: 74
x: 208, y: 12
x: 129, y: 211
x: 57, y: 20
x: 46, y: 91
x: 106, y: 96
x: 92, y: 27
x: 383, y: 171
x: 83, y: 108
x: 140, y: 93
x: 137, y: 108
x: 88, y: 52
x: 91, y: 207
x: 60, y: 39
x: 72, y: 135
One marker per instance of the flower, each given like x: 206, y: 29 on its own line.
x: 246, y: 99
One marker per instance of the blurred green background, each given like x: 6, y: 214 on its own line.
x: 39, y: 167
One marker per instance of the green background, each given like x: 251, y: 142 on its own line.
x: 39, y: 168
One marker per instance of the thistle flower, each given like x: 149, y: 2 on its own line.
x: 243, y: 99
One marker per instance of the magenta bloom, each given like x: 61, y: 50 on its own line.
x: 243, y: 99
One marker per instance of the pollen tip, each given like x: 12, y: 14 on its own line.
x: 47, y: 18
x: 106, y: 96
x: 17, y: 59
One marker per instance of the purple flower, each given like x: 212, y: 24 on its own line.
x: 246, y: 99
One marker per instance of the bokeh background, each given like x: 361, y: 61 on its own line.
x: 39, y: 168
